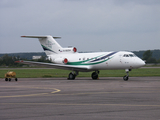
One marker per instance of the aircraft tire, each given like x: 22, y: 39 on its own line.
x: 9, y: 79
x: 71, y: 76
x: 16, y: 79
x: 94, y: 76
x: 125, y: 78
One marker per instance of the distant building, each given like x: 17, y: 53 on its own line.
x: 36, y: 57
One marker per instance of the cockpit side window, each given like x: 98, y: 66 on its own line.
x: 131, y: 55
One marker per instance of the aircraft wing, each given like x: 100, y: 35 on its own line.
x: 58, y: 66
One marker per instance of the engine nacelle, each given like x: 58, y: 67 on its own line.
x: 68, y: 50
x: 61, y: 61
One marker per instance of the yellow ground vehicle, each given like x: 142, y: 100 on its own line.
x: 10, y: 75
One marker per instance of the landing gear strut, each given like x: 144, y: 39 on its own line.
x: 95, y: 75
x: 72, y: 75
x: 126, y: 77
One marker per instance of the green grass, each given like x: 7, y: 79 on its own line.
x: 39, y: 73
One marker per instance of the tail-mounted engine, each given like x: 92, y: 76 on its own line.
x: 68, y: 50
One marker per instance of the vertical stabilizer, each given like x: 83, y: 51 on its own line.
x: 48, y: 43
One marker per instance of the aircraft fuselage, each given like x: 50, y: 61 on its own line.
x: 100, y: 60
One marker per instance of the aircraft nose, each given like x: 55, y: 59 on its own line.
x: 141, y: 62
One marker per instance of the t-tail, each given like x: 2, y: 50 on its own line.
x: 50, y: 45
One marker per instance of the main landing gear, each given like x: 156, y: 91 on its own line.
x: 126, y: 77
x: 72, y: 75
x: 95, y: 75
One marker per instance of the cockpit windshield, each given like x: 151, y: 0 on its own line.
x: 125, y: 55
x: 129, y: 55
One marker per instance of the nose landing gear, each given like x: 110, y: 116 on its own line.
x: 126, y: 77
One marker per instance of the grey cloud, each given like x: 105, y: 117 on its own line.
x: 87, y: 24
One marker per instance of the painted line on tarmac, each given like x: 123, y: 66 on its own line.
x: 57, y: 90
x: 90, y: 93
x: 30, y: 95
x: 81, y: 104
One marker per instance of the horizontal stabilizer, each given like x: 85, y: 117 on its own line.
x: 48, y: 43
x: 40, y: 37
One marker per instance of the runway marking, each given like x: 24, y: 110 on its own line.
x: 57, y: 90
x: 137, y: 92
x: 83, y: 104
x: 29, y: 95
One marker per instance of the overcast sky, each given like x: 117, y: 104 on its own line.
x: 88, y: 25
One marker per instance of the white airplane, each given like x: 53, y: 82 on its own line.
x: 70, y: 59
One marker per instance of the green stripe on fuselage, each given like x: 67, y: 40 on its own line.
x: 83, y: 62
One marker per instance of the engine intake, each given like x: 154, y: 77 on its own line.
x: 61, y: 61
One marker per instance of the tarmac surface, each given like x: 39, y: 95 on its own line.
x: 109, y: 98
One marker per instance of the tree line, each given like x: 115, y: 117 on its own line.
x: 9, y: 61
x: 148, y: 57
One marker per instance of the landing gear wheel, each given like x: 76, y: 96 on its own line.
x: 9, y: 79
x: 71, y: 76
x: 16, y: 79
x: 125, y: 78
x: 94, y: 76
x: 6, y: 79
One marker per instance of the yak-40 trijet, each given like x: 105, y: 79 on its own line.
x: 70, y: 59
